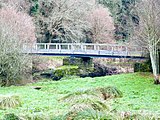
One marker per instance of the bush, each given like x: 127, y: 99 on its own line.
x: 14, y: 40
x: 11, y: 116
x: 102, y: 69
x: 143, y: 67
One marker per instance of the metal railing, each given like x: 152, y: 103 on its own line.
x: 85, y: 48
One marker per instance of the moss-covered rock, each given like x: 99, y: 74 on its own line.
x: 85, y: 65
x: 85, y: 72
x: 65, y: 71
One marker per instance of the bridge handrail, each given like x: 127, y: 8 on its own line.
x: 84, y: 45
x: 88, y: 44
x: 86, y: 48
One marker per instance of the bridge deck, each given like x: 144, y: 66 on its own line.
x: 87, y: 50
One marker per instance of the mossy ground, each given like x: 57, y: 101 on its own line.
x: 139, y: 94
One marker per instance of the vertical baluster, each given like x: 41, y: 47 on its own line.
x: 47, y: 46
x: 135, y: 51
x: 126, y: 50
x: 56, y: 46
x: 85, y: 48
x: 72, y: 48
x: 112, y: 50
x: 98, y: 49
x: 36, y: 46
x: 95, y: 47
x: 81, y: 47
x: 141, y: 51
x: 122, y: 51
x: 60, y: 47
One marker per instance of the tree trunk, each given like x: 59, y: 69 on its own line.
x: 155, y: 66
x: 156, y: 80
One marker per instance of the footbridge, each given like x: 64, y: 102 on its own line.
x: 87, y: 50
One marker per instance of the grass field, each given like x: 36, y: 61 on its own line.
x: 139, y: 95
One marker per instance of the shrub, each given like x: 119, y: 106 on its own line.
x: 11, y: 116
x: 101, y: 68
x: 143, y: 67
x: 9, y: 101
x: 14, y: 38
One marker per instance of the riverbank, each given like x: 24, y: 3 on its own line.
x: 140, y: 95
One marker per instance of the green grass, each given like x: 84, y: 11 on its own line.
x: 139, y: 94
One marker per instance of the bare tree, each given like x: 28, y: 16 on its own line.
x: 16, y: 29
x: 16, y: 4
x: 64, y: 19
x: 148, y: 31
x: 102, y: 25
